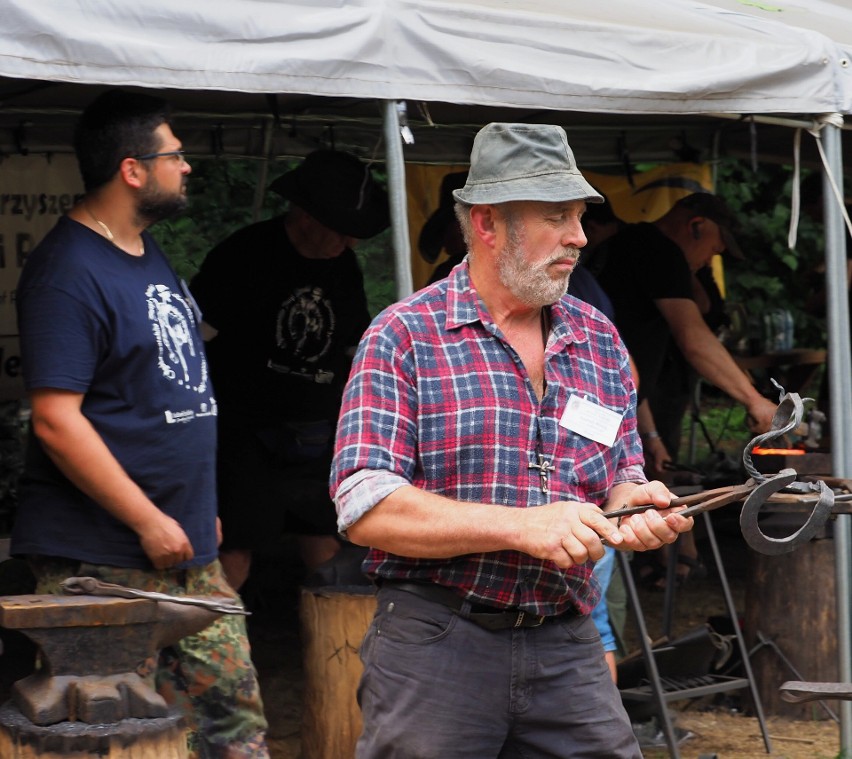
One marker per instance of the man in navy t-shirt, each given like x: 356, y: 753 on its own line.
x: 119, y: 482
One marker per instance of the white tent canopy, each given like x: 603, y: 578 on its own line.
x: 625, y: 77
x: 607, y: 67
x: 830, y: 18
x: 664, y: 56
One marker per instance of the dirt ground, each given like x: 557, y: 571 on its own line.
x: 719, y: 725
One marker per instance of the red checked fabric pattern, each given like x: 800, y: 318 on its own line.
x: 438, y: 399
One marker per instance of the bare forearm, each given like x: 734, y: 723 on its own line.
x: 713, y: 362
x: 653, y: 447
x: 717, y: 366
x: 415, y: 523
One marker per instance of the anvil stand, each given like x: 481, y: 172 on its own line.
x: 660, y: 694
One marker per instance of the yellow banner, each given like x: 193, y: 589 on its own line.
x: 423, y: 185
x: 653, y: 192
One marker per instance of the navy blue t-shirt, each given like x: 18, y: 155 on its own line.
x: 584, y: 286
x: 122, y: 330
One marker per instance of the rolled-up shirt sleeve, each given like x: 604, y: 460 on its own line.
x: 633, y: 473
x: 360, y: 492
x: 376, y: 434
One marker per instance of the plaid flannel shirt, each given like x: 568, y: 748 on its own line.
x: 439, y: 400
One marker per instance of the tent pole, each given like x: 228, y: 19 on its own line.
x: 395, y: 162
x: 840, y: 382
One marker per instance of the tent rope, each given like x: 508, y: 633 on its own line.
x: 828, y: 119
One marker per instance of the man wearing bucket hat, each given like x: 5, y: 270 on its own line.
x: 285, y: 305
x: 487, y: 423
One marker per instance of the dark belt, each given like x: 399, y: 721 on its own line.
x: 485, y: 616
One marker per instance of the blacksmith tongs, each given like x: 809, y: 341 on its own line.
x: 706, y: 500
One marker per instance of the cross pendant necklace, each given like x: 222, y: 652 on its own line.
x: 544, y: 468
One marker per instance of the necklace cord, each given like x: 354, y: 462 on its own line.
x: 108, y: 232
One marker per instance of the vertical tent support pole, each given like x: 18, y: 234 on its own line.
x: 840, y: 382
x: 395, y: 163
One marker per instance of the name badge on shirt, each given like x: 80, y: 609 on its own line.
x: 590, y: 420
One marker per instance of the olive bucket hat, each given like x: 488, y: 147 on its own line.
x: 523, y: 162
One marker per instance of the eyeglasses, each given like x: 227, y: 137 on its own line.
x: 178, y: 154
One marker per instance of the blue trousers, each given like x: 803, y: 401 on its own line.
x: 600, y: 614
x: 438, y: 686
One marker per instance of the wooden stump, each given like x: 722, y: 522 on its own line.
x: 333, y: 624
x: 161, y: 738
x: 791, y: 600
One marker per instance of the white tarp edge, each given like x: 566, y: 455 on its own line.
x: 659, y: 56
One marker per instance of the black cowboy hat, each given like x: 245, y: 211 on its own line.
x: 339, y: 191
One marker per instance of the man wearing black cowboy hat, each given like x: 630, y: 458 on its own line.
x: 284, y: 305
x: 441, y: 230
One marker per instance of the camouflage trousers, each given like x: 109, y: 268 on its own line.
x: 208, y: 676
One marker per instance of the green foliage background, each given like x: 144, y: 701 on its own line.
x: 221, y: 199
x: 772, y: 275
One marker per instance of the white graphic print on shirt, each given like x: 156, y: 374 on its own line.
x: 179, y: 358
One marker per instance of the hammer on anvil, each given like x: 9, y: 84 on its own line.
x: 91, y: 646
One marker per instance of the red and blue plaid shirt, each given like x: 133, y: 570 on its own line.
x: 438, y: 399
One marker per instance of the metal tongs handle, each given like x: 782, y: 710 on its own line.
x: 696, y: 503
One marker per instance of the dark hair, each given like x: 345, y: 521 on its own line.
x: 117, y: 124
